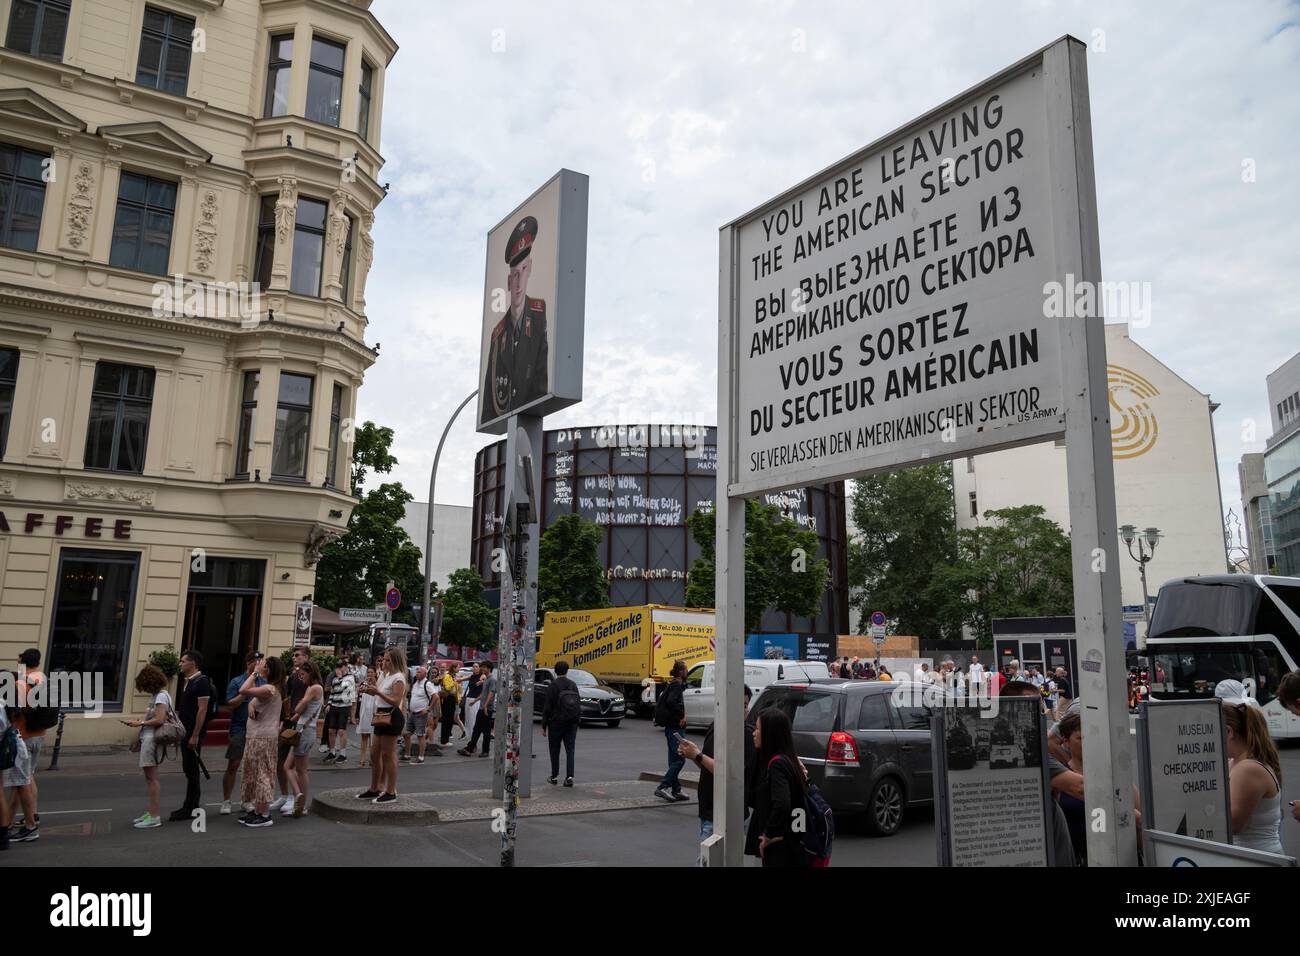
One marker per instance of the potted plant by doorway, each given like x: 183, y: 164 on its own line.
x: 167, y: 661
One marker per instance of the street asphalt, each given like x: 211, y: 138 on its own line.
x: 87, y: 808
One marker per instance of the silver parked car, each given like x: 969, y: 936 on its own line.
x: 866, y: 748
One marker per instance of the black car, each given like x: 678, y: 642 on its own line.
x: 866, y: 747
x: 600, y: 702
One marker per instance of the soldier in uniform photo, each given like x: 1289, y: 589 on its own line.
x: 518, y: 351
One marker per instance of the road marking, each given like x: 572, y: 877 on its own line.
x: 54, y: 813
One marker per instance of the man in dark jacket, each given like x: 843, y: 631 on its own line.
x: 560, y: 717
x: 703, y: 757
x: 670, y: 714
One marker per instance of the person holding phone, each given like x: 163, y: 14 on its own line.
x: 152, y: 681
x: 390, y: 694
x: 670, y: 714
x: 261, y: 739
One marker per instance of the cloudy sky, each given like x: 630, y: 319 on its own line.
x: 688, y: 114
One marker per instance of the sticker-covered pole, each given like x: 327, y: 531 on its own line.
x: 1100, y: 681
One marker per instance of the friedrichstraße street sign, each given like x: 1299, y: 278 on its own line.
x: 896, y: 309
x: 364, y: 615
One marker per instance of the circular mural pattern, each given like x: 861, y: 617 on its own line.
x: 1133, y: 428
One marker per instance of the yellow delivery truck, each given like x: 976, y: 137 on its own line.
x: 622, y: 646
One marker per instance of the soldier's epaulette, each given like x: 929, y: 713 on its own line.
x: 538, y: 304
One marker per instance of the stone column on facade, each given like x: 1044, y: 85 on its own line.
x: 160, y: 420
x: 300, y: 69
x: 286, y: 214
x: 76, y: 455
x: 247, y: 215
x: 99, y: 232
x: 229, y: 389
x: 365, y: 250
x: 268, y: 391
x: 58, y: 191
x: 350, y: 102
x: 336, y: 239
x: 186, y: 200
x: 23, y: 412
x: 318, y: 463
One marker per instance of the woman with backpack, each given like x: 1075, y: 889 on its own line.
x: 152, y: 681
x: 15, y: 772
x: 779, y: 791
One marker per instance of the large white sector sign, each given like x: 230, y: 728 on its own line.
x: 890, y: 310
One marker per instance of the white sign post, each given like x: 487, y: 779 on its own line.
x: 897, y: 309
x: 1183, y: 758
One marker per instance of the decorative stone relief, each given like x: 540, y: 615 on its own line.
x: 367, y: 254
x: 338, y: 222
x: 130, y: 494
x: 81, y: 205
x: 205, y: 233
x: 286, y: 209
x: 317, y: 540
x: 6, y: 487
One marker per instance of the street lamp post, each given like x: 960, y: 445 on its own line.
x: 1149, y: 537
x: 428, y: 524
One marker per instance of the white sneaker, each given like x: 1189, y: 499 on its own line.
x: 323, y: 748
x: 279, y: 804
x: 225, y: 808
x: 287, y: 809
x: 248, y: 807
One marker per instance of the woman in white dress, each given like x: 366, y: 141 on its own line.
x: 365, y: 715
x: 1254, y: 777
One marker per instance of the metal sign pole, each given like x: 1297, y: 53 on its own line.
x: 530, y: 428
x: 729, y: 593
x: 1100, y: 675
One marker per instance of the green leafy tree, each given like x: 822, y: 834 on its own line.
x: 906, y: 534
x: 1017, y: 564
x: 467, y: 619
x: 353, y: 570
x: 781, y: 565
x: 570, y: 575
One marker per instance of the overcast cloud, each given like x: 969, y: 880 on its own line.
x: 686, y: 115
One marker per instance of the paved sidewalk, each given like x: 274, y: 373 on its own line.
x: 457, y: 806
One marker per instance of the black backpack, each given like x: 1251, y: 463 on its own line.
x: 568, y: 705
x: 9, y: 747
x: 818, y: 834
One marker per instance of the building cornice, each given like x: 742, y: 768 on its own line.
x: 232, y: 329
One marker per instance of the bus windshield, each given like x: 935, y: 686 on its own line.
x: 1181, y: 670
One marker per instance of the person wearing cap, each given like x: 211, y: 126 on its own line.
x: 1254, y: 771
x: 238, y: 705
x: 518, y: 350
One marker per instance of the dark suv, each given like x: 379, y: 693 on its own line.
x: 867, y: 749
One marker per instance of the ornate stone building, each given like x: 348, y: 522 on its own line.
x: 187, y: 194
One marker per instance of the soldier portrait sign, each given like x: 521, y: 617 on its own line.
x: 533, y: 298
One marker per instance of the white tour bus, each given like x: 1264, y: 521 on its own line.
x: 1211, y: 628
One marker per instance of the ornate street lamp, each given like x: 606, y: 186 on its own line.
x: 1146, y: 541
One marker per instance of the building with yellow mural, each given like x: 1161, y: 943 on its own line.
x: 1166, y: 470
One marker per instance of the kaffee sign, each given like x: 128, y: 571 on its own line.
x: 66, y: 525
